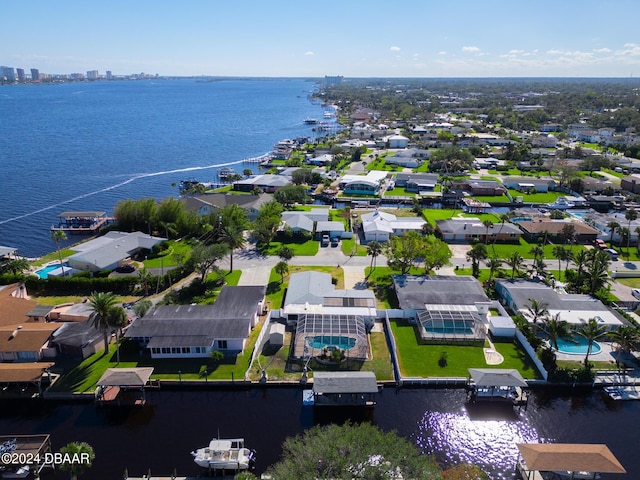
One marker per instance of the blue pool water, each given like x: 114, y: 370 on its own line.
x: 44, y: 272
x: 322, y: 341
x: 577, y: 346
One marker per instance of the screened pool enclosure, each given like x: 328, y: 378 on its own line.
x: 450, y: 325
x: 319, y: 335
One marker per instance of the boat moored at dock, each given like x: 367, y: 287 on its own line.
x: 228, y: 454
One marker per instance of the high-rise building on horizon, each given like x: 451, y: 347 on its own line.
x: 109, y: 75
x: 93, y: 75
x: 21, y: 75
x: 35, y: 75
x: 333, y: 80
x: 7, y: 74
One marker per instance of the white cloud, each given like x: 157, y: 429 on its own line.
x: 442, y: 52
x: 395, y: 49
x: 309, y: 53
x: 515, y: 52
x: 631, y: 49
x: 470, y: 49
x: 602, y: 50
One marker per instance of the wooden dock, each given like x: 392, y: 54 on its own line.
x: 86, y: 223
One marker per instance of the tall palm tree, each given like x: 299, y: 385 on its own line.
x: 631, y: 215
x: 59, y: 236
x: 555, y: 328
x: 478, y: 252
x: 627, y: 337
x: 591, y: 331
x: 118, y: 319
x: 494, y: 264
x: 102, y: 303
x: 503, y: 218
x: 145, y: 276
x: 612, y: 226
x: 487, y: 225
x: 537, y: 251
x: 515, y: 261
x: 233, y: 238
x: 561, y: 253
x: 282, y: 268
x: 77, y: 450
x: 537, y: 310
x: 373, y: 249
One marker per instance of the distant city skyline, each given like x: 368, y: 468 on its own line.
x: 358, y: 38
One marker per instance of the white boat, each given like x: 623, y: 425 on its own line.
x: 327, y: 114
x: 225, y: 454
x: 561, y: 203
x: 19, y: 472
x: 310, y: 121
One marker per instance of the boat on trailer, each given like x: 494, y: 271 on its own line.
x: 225, y: 454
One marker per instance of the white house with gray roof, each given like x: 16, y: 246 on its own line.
x: 111, y: 250
x: 379, y: 226
x: 313, y: 292
x: 575, y: 309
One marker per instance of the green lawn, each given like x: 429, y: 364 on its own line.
x: 426, y: 360
x: 302, y: 247
x: 53, y: 256
x: 178, y: 251
x: 398, y: 192
x: 505, y: 250
x: 492, y: 198
x: 349, y: 245
x: 546, y: 197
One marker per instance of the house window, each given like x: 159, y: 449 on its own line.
x: 197, y: 349
x: 175, y: 349
x: 186, y: 350
x: 512, y: 235
x: 222, y: 344
x: 166, y: 350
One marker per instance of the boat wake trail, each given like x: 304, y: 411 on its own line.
x: 132, y: 178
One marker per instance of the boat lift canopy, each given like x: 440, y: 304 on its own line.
x: 497, y: 377
x: 125, y: 377
x: 570, y: 457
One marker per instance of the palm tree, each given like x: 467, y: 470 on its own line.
x: 537, y: 309
x: 145, y: 276
x: 374, y: 249
x: 487, y: 225
x: 102, y: 303
x: 478, y: 252
x: 503, y: 218
x: 282, y: 268
x: 80, y: 450
x: 515, y: 261
x: 537, y: 251
x: 591, y: 331
x: 627, y: 337
x: 494, y: 264
x: 233, y: 238
x: 612, y: 226
x: 555, y: 328
x: 427, y: 229
x: 631, y: 215
x: 59, y: 236
x: 118, y: 319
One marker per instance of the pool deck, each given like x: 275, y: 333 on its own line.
x: 606, y: 354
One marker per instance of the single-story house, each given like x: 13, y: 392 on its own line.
x: 77, y: 340
x: 379, y: 226
x: 416, y: 182
x: 7, y: 252
x: 575, y: 309
x: 27, y: 343
x: 111, y: 250
x: 314, y: 293
x: 298, y: 222
x: 529, y: 183
x: 631, y: 183
x: 450, y: 307
x: 332, y: 228
x: 194, y: 331
x: 210, y: 202
x: 268, y: 183
x: 397, y: 141
x: 321, y: 160
x: 552, y: 229
x: 479, y: 187
x: 368, y: 184
x: 471, y: 229
x: 600, y: 221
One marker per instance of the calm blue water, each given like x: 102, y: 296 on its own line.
x: 85, y: 146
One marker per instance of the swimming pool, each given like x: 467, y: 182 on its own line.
x: 331, y: 341
x: 45, y: 271
x: 577, y: 346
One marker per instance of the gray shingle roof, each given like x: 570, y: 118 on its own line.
x: 414, y: 292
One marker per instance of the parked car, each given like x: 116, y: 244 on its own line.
x: 335, y: 241
x: 636, y: 292
x: 127, y: 268
x: 325, y: 240
x: 613, y: 253
x: 599, y: 243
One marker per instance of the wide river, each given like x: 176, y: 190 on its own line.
x: 161, y: 435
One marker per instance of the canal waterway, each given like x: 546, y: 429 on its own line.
x: 160, y: 436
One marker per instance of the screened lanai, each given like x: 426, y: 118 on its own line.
x: 452, y: 323
x: 319, y: 334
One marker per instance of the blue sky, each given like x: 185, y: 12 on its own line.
x: 353, y: 38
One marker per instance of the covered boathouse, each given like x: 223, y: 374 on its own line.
x: 497, y: 384
x: 566, y: 461
x: 344, y: 389
x: 123, y: 386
